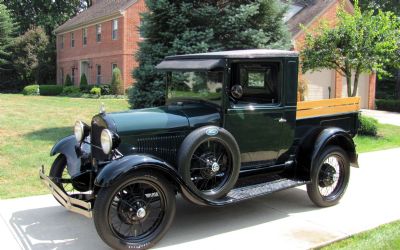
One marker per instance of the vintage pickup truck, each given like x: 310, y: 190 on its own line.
x: 231, y: 130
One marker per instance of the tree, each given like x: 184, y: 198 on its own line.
x: 29, y: 53
x: 84, y: 82
x: 116, y: 83
x: 68, y: 81
x: 6, y: 32
x: 360, y: 43
x: 179, y: 27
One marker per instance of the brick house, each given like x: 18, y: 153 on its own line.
x: 106, y: 36
x: 97, y: 40
x: 325, y: 84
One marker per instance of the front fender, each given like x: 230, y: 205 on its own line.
x: 67, y: 147
x: 338, y: 137
x: 129, y: 164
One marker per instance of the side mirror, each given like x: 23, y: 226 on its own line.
x: 237, y: 91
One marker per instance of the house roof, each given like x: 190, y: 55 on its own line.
x: 309, y: 10
x: 98, y: 11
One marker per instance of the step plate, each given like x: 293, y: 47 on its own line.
x: 249, y: 192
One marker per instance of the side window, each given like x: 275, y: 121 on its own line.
x: 260, y: 82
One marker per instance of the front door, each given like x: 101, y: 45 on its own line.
x: 258, y: 119
x: 85, y: 70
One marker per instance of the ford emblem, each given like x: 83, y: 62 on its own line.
x: 212, y: 132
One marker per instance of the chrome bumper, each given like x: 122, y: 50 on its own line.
x: 74, y: 205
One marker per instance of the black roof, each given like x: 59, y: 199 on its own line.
x: 240, y: 54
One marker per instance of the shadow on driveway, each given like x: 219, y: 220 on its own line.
x: 54, y: 227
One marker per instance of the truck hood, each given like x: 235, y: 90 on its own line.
x: 166, y: 119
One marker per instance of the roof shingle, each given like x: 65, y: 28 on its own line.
x: 101, y: 9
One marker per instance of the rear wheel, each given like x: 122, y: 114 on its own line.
x: 135, y: 212
x: 329, y: 177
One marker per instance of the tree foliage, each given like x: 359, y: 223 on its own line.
x: 29, y: 54
x: 180, y: 27
x: 360, y: 43
x: 6, y: 37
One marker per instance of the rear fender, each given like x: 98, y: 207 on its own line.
x: 68, y: 147
x: 128, y: 165
x: 337, y: 137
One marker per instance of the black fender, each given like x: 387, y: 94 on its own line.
x: 69, y: 147
x: 128, y: 165
x: 338, y: 137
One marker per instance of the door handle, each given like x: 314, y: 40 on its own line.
x: 282, y: 120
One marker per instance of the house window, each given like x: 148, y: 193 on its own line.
x: 98, y: 74
x: 113, y: 66
x: 73, y: 76
x: 72, y: 40
x: 115, y: 29
x: 98, y: 33
x: 62, y: 41
x: 141, y: 31
x: 84, y: 36
x: 62, y: 76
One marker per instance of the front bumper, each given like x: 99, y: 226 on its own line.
x: 72, y: 204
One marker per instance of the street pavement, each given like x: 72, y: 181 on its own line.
x: 284, y: 220
x: 384, y: 117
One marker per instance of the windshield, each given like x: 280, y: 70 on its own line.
x: 206, y: 86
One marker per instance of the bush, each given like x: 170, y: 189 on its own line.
x: 388, y: 105
x: 71, y: 90
x: 368, y: 126
x: 116, y: 83
x: 68, y: 81
x: 31, y: 90
x: 105, y: 89
x: 83, y: 83
x: 50, y: 90
x: 95, y: 91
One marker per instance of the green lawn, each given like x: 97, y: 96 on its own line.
x: 388, y: 137
x: 386, y: 237
x: 29, y: 127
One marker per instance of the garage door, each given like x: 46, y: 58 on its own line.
x: 362, y: 91
x: 319, y: 83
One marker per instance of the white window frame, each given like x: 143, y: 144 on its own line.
x: 114, y: 29
x: 98, y: 33
x: 98, y: 76
x: 84, y: 36
x: 72, y: 40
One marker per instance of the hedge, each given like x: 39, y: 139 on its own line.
x: 31, y: 90
x: 388, y: 105
x: 50, y: 90
x: 368, y: 126
x: 71, y: 90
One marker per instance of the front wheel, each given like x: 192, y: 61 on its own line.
x: 135, y: 212
x: 329, y: 177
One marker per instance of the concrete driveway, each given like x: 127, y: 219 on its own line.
x: 384, y: 117
x: 284, y: 220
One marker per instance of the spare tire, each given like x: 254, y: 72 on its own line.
x: 209, y: 162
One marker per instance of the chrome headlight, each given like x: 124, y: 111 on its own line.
x: 79, y: 131
x: 106, y: 141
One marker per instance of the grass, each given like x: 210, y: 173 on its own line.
x: 383, y: 237
x: 388, y: 137
x: 29, y: 127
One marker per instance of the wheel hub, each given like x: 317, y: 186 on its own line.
x: 141, y: 213
x: 215, y: 167
x: 132, y: 212
x: 327, y: 175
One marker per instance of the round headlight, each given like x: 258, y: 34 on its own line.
x: 106, y: 141
x: 79, y: 131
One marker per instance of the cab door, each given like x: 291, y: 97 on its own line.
x: 259, y: 120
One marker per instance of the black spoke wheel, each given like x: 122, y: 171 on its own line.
x: 135, y: 212
x: 59, y: 174
x: 329, y: 177
x: 209, y: 162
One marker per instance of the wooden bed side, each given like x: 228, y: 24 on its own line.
x: 327, y: 107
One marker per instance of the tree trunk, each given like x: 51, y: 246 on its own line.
x: 355, y: 87
x: 398, y: 84
x: 348, y: 81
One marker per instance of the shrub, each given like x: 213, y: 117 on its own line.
x: 31, y: 90
x: 50, y: 90
x: 71, y: 90
x: 105, y: 89
x: 368, y: 126
x: 116, y: 83
x: 68, y: 81
x: 388, y: 105
x: 95, y: 91
x: 83, y: 83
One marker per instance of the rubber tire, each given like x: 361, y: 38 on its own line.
x: 57, y: 169
x: 187, y: 149
x: 312, y: 188
x: 105, y: 196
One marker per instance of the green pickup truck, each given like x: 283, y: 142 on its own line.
x: 231, y: 130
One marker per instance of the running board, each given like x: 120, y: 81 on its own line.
x: 249, y: 192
